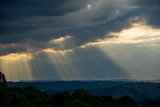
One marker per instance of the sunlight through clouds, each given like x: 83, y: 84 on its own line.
x: 16, y: 56
x: 50, y: 50
x: 139, y: 62
x: 16, y: 66
x: 125, y: 48
x: 135, y: 49
x: 138, y: 33
x: 89, y: 7
x: 88, y: 39
x: 61, y: 39
x: 64, y: 66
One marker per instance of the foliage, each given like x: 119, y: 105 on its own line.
x: 2, y: 80
x: 32, y: 97
x: 126, y: 101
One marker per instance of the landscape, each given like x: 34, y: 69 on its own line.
x: 110, y: 93
x: 79, y: 53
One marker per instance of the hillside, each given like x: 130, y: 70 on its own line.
x: 138, y: 90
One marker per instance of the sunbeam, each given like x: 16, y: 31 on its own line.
x: 138, y: 62
x: 16, y: 66
x: 84, y: 40
x: 134, y: 49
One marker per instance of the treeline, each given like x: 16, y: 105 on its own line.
x: 31, y: 97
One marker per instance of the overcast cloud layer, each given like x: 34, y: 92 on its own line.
x: 61, y: 26
x: 84, y: 20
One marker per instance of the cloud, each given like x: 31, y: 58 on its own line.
x: 96, y: 12
x: 28, y: 8
x: 144, y: 2
x: 12, y: 48
x: 51, y: 50
x: 16, y: 56
x: 61, y: 39
x: 75, y: 39
x: 85, y: 21
x: 139, y: 33
x: 60, y: 45
x: 44, y: 26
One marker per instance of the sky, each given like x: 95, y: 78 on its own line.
x: 80, y: 39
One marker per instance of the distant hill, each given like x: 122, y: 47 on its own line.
x: 138, y: 90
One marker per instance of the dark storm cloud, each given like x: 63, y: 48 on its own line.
x: 42, y: 20
x: 153, y: 16
x: 149, y: 9
x: 12, y: 48
x: 145, y: 2
x: 11, y: 9
x: 35, y: 19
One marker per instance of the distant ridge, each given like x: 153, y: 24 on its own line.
x: 55, y: 80
x: 107, y: 80
x: 116, y: 88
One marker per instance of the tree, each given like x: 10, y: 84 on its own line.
x: 109, y: 101
x: 2, y: 80
x: 61, y: 99
x: 82, y: 95
x: 127, y: 101
x: 82, y: 98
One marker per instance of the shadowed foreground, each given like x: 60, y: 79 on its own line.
x: 32, y: 97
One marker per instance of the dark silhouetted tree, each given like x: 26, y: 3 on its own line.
x: 61, y: 99
x: 109, y: 101
x: 150, y: 102
x: 79, y: 104
x: 82, y: 98
x: 2, y: 79
x: 127, y: 101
